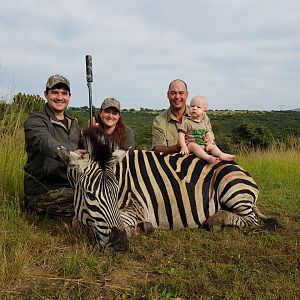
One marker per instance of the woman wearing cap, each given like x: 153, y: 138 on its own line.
x: 110, y: 120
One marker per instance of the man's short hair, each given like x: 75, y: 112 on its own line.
x: 180, y: 81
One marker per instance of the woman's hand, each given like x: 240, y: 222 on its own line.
x: 81, y: 152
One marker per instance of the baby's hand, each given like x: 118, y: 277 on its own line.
x: 184, y: 150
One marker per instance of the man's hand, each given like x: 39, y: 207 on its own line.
x: 166, y: 149
x: 81, y: 152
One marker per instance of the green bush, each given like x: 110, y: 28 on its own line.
x: 255, y: 136
x: 28, y: 103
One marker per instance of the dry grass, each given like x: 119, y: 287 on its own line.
x: 47, y: 259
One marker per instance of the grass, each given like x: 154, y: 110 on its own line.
x: 48, y: 259
x: 277, y: 170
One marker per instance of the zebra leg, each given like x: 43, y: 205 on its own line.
x: 134, y: 217
x: 137, y: 228
x: 222, y: 218
x: 146, y: 227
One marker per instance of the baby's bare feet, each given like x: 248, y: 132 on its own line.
x: 227, y: 157
x: 212, y: 160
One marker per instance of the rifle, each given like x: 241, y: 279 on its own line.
x: 89, y: 79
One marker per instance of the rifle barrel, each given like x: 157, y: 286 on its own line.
x: 89, y: 79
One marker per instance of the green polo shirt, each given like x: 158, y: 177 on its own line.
x: 165, y: 128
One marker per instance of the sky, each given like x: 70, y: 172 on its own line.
x: 239, y: 54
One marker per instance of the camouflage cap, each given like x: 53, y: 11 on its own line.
x: 55, y: 79
x: 111, y: 102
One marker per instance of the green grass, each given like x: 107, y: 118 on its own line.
x: 48, y: 259
x: 277, y: 172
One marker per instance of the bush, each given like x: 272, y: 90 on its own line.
x: 28, y: 103
x: 255, y: 136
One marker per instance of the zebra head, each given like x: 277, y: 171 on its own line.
x: 96, y: 188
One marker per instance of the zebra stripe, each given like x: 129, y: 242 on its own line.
x: 92, y: 181
x: 168, y: 192
x: 183, y: 191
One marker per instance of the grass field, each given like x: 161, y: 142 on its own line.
x: 48, y: 259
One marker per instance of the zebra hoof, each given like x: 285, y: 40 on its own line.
x: 147, y: 227
x: 212, y: 225
x: 215, y: 228
x: 217, y: 221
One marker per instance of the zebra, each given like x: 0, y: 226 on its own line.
x: 119, y: 193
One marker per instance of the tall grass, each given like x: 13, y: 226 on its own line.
x: 277, y: 170
x: 12, y: 158
x: 47, y: 259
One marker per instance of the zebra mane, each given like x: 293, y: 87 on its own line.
x: 99, y: 145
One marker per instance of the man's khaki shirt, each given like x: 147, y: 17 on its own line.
x: 165, y: 128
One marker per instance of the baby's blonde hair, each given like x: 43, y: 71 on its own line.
x: 201, y: 99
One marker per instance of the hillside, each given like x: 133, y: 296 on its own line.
x: 232, y: 128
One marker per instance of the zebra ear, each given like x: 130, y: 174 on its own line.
x: 70, y: 158
x: 64, y: 154
x: 118, y: 155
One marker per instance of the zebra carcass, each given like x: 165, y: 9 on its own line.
x: 118, y: 192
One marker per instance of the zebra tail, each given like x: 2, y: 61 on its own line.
x: 268, y: 224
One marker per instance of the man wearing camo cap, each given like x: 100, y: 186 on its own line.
x: 47, y: 189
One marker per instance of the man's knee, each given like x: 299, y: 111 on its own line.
x: 58, y: 202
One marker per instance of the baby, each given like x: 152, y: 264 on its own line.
x: 194, y: 136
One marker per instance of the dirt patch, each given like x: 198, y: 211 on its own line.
x: 134, y: 275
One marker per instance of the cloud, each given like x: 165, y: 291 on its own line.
x: 240, y: 54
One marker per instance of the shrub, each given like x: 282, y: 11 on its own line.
x: 253, y: 135
x: 28, y: 103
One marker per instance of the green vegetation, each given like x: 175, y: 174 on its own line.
x: 254, y: 129
x: 233, y: 130
x: 28, y: 102
x: 48, y: 259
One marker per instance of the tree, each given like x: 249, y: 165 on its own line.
x: 27, y: 102
x: 253, y: 135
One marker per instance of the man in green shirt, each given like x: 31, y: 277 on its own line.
x: 165, y: 126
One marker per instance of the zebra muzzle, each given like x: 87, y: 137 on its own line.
x: 118, y: 240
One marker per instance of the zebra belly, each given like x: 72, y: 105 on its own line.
x: 182, y: 191
x: 173, y: 212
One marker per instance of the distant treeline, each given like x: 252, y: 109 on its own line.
x: 232, y: 129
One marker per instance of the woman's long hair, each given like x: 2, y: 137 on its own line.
x: 119, y: 133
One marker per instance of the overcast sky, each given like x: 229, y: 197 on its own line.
x: 240, y: 54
